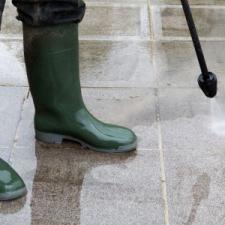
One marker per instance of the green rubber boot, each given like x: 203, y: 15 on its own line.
x: 52, y: 62
x: 11, y: 184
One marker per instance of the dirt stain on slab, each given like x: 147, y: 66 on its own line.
x: 200, y: 191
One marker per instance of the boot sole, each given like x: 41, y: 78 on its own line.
x: 13, y: 195
x: 58, y: 139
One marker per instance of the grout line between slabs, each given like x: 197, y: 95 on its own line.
x: 155, y: 35
x: 150, y: 17
x: 158, y: 120
x: 162, y: 165
x: 192, y: 6
x: 18, y: 124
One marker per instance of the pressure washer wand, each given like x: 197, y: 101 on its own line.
x: 207, y: 80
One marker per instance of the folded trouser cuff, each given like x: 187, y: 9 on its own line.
x: 41, y: 13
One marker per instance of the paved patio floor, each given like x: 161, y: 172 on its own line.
x: 138, y: 69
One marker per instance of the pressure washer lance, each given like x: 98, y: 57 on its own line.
x: 207, y: 80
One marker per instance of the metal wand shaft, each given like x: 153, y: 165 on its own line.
x: 195, y: 38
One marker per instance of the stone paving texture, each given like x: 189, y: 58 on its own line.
x: 138, y: 69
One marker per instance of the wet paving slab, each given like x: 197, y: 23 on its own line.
x: 177, y: 65
x: 110, y: 64
x: 117, y: 64
x: 12, y: 54
x: 193, y: 143
x: 172, y: 23
x: 5, y: 153
x: 72, y: 185
x: 11, y: 99
x: 195, y: 184
x: 189, y: 120
x: 9, y: 23
x: 109, y: 20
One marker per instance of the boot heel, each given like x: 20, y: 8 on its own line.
x: 49, y: 137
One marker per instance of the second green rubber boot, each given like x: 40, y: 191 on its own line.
x: 52, y: 62
x: 11, y: 184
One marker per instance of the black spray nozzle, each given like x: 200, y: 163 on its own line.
x: 207, y: 80
x: 208, y: 84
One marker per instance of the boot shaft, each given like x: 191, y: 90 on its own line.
x: 52, y: 63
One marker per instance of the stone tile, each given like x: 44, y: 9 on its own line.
x: 25, y: 132
x: 175, y: 103
x: 72, y: 179
x: 14, y: 212
x: 128, y: 103
x: 190, y: 121
x: 103, y: 64
x: 100, y: 63
x: 116, y: 64
x: 12, y: 54
x: 133, y: 108
x: 10, y: 108
x: 176, y: 63
x: 5, y: 153
x: 88, y: 181
x: 9, y: 23
x: 15, y: 48
x: 99, y: 20
x: 195, y: 185
x: 109, y: 21
x: 23, y: 160
x: 70, y: 186
x: 209, y: 21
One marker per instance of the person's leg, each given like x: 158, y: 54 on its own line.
x: 51, y: 50
x: 11, y: 184
x: 2, y: 4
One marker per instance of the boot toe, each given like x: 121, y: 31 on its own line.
x: 11, y: 184
x: 128, y: 140
x: 113, y: 138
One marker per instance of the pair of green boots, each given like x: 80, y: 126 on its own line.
x: 52, y: 62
